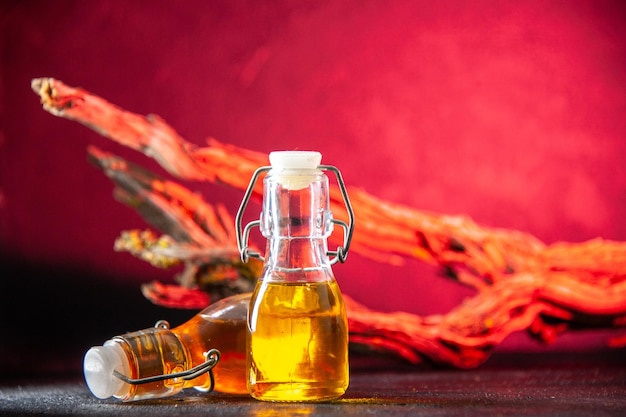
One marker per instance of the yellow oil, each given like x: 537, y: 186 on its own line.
x: 297, y: 342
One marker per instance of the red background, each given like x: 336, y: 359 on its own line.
x: 513, y: 113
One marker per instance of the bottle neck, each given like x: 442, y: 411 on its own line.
x: 296, y: 253
x: 296, y: 220
x: 290, y: 212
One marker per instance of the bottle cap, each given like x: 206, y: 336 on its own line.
x: 295, y: 159
x: 98, y: 367
x: 295, y: 170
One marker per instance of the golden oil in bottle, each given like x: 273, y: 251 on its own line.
x: 298, y: 345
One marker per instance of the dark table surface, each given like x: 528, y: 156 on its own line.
x: 592, y: 384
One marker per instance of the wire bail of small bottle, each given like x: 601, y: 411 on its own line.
x: 338, y: 255
x: 211, y: 357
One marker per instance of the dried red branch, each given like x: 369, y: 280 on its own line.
x: 446, y: 240
x: 175, y: 296
x: 522, y: 283
x: 198, y: 235
x: 466, y: 336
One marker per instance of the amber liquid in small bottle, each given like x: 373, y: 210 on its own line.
x: 298, y: 343
x: 228, y: 335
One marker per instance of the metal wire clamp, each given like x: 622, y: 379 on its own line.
x: 340, y: 254
x: 212, y: 357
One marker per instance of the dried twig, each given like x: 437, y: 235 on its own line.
x: 522, y: 283
x: 198, y: 235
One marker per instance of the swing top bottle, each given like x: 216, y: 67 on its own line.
x: 297, y: 346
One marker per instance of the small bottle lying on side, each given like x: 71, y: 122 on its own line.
x: 206, y: 352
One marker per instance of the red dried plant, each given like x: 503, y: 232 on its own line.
x: 521, y: 283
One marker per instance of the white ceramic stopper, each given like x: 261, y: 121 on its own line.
x: 98, y: 367
x: 295, y: 170
x: 295, y: 159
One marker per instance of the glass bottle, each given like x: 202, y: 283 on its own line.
x: 297, y: 345
x: 160, y: 351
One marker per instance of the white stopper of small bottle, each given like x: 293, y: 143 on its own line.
x: 295, y: 170
x: 98, y: 367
